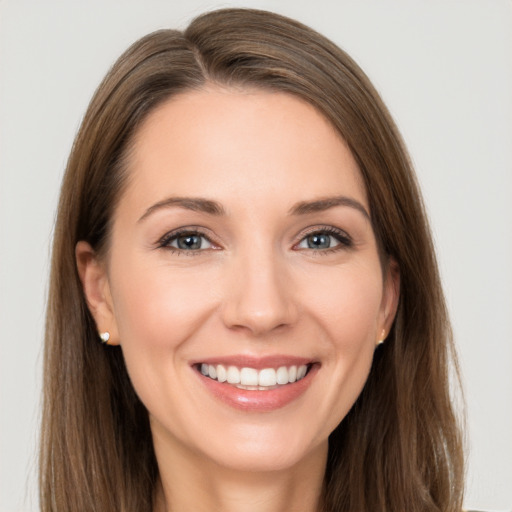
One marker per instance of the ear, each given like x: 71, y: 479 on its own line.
x: 94, y: 278
x: 390, y: 298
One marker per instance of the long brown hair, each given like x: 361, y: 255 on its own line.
x: 399, y: 448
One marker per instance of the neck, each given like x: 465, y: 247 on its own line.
x: 189, y: 482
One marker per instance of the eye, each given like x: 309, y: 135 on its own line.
x: 318, y: 241
x: 186, y: 241
x: 324, y: 239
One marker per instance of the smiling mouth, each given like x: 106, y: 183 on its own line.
x: 253, y: 379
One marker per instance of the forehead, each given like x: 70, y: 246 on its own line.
x: 240, y: 144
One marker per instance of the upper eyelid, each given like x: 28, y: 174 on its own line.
x: 173, y: 234
x: 331, y: 230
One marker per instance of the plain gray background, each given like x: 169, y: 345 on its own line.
x: 443, y: 67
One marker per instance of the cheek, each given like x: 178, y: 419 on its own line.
x: 158, y: 306
x: 348, y: 311
x: 158, y: 311
x: 349, y: 306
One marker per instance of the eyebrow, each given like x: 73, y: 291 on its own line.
x: 196, y: 204
x: 320, y: 205
x: 199, y: 204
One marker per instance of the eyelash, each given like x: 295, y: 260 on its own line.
x: 345, y: 242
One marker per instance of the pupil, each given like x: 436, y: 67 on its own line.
x: 189, y: 242
x: 319, y: 241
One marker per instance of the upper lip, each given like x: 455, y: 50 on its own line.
x: 256, y: 362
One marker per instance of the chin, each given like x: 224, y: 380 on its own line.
x: 258, y: 450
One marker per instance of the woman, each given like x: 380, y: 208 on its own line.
x: 240, y: 226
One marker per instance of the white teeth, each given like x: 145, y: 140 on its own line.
x: 250, y: 378
x: 233, y: 375
x: 267, y: 377
x: 282, y: 375
x: 221, y: 373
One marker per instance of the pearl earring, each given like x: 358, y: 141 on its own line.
x: 382, y: 338
x: 104, y: 337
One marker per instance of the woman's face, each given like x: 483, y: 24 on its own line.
x: 242, y: 249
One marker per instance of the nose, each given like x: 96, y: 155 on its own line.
x: 259, y: 298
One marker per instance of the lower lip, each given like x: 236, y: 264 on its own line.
x: 256, y: 400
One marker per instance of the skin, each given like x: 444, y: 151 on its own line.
x: 256, y: 288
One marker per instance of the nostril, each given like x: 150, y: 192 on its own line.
x: 240, y: 317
